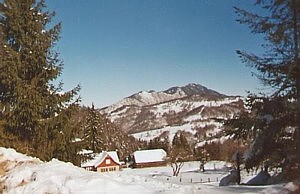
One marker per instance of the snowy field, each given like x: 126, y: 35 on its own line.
x: 23, y: 174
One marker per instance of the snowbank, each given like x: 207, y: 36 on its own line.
x: 29, y: 175
x: 22, y: 174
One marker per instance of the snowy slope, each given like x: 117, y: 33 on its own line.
x: 171, y: 130
x: 144, y: 98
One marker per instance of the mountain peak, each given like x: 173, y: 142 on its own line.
x: 193, y: 89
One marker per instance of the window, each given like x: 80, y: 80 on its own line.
x: 111, y: 169
x: 107, y: 161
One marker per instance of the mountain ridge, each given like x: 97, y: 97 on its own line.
x: 193, y: 89
x: 191, y: 108
x: 151, y: 97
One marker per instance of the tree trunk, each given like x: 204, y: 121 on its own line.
x: 297, y: 69
x: 176, y: 166
x: 238, y: 162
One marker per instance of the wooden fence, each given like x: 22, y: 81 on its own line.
x: 195, y: 180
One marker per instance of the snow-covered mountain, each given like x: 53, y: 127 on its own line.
x: 193, y: 108
x: 145, y: 98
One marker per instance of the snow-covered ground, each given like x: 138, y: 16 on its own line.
x: 148, y: 135
x: 188, y: 127
x: 23, y: 174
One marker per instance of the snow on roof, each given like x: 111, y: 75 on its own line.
x: 144, y: 156
x: 98, y: 159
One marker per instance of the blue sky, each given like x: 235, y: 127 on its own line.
x: 114, y: 48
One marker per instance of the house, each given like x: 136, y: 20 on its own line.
x: 149, y: 158
x: 103, y: 162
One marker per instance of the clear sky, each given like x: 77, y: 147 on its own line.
x: 114, y: 48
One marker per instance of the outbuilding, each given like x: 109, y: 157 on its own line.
x: 149, y: 158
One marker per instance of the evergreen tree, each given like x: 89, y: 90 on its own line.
x: 160, y: 142
x: 93, y: 131
x: 180, y: 142
x: 110, y: 137
x: 273, y: 119
x: 165, y: 144
x: 67, y: 145
x: 34, y: 108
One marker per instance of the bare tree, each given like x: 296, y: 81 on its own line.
x: 180, y: 152
x: 177, y: 158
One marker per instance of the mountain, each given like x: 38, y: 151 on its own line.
x: 192, y: 108
x: 152, y: 97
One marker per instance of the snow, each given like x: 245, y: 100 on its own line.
x: 116, y: 114
x: 12, y: 155
x: 172, y: 130
x: 221, y: 140
x: 22, y: 174
x: 291, y: 186
x: 195, y: 117
x: 77, y: 139
x: 180, y: 105
x: 142, y: 99
x: 174, y: 106
x: 144, y: 156
x: 148, y: 135
x: 29, y: 175
x: 85, y: 152
x: 190, y: 122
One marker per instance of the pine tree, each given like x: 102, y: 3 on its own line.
x: 109, y: 136
x: 160, y: 142
x: 67, y: 145
x: 180, y: 142
x: 273, y: 118
x: 93, y: 131
x: 34, y: 108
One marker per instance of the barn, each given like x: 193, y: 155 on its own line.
x: 149, y: 158
x: 103, y: 162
